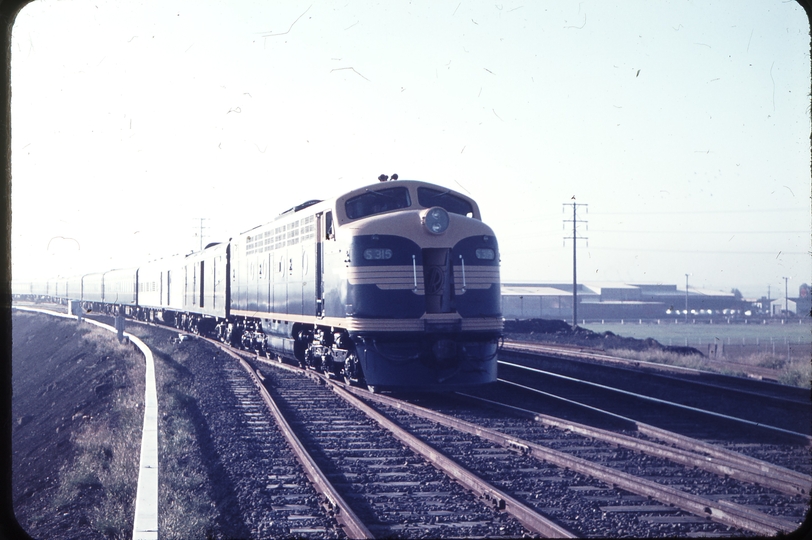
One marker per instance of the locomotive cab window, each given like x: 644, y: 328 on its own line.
x: 451, y: 203
x: 328, y: 226
x: 377, y: 201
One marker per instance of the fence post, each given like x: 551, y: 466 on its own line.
x: 74, y: 308
x: 119, y: 326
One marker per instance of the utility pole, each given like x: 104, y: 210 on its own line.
x: 201, y: 230
x: 574, y: 239
x: 786, y: 297
x: 686, y: 297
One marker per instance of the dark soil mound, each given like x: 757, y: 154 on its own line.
x: 558, y: 331
x: 60, y: 382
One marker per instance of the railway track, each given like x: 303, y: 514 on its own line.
x: 616, y: 502
x: 397, y: 486
x: 695, y: 405
x: 384, y: 467
x: 644, y: 470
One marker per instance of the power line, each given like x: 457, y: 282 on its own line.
x: 504, y: 250
x: 714, y: 252
x: 682, y: 212
x: 697, y: 232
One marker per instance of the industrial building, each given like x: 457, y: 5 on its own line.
x: 614, y: 301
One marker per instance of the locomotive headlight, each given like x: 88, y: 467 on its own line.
x: 436, y: 220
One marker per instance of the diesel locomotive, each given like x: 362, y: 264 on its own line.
x: 393, y: 285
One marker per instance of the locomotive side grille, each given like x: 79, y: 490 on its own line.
x: 438, y: 277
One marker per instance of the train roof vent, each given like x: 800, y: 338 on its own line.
x: 300, y: 207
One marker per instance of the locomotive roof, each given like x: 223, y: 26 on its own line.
x: 411, y: 185
x: 340, y: 201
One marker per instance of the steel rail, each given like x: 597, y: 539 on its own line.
x: 699, y: 378
x: 580, y: 352
x: 344, y: 514
x: 690, y: 452
x: 793, y: 478
x: 501, y: 500
x: 635, y: 395
x: 776, y: 471
x: 723, y: 512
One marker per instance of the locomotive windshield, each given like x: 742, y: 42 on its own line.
x: 375, y: 202
x: 451, y: 203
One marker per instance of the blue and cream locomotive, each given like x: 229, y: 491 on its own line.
x: 395, y: 285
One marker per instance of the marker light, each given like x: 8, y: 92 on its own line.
x: 436, y: 220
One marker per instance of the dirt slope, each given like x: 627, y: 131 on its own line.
x: 74, y: 408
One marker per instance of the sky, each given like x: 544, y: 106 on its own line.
x: 682, y: 127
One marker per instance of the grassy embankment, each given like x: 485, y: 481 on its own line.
x: 103, y: 475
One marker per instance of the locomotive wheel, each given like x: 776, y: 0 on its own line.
x: 353, y: 375
x: 327, y: 367
x: 347, y: 371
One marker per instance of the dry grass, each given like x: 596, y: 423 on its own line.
x: 103, y: 477
x: 187, y: 507
x: 185, y: 503
x: 795, y: 372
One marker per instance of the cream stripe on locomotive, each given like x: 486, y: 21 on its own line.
x: 420, y: 325
x: 388, y: 277
x: 475, y: 277
x: 468, y: 324
x: 404, y: 277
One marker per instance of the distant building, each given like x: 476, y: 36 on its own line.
x: 779, y: 306
x: 803, y: 303
x: 613, y: 301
